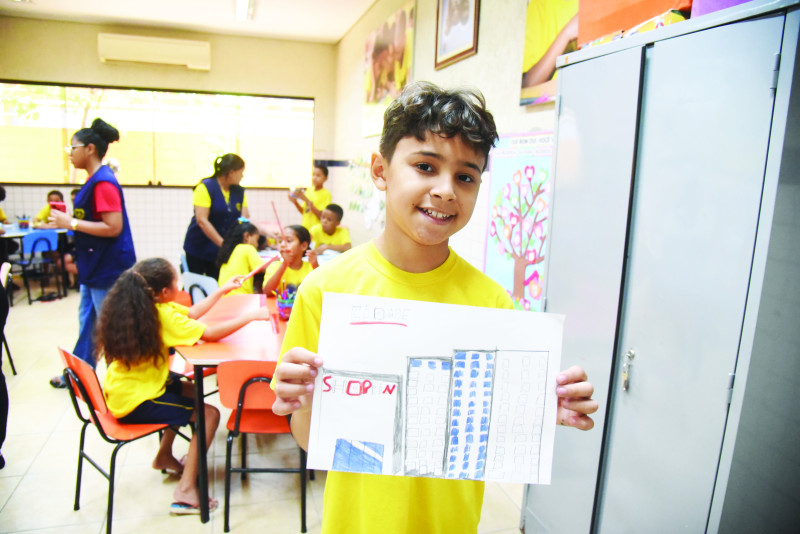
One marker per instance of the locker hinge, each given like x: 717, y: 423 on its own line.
x: 558, y: 106
x: 731, y: 378
x: 775, y: 69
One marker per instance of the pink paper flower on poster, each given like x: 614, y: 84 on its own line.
x: 517, y: 178
x: 530, y: 172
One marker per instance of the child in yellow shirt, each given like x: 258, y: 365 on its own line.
x: 309, y: 202
x: 293, y: 269
x: 43, y: 217
x: 138, y: 385
x: 238, y: 255
x: 433, y: 150
x: 328, y: 235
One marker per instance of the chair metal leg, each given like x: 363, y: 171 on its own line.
x: 77, y: 505
x: 302, y: 490
x: 228, y: 452
x: 27, y: 288
x: 8, y: 352
x: 244, y: 455
x: 111, y: 472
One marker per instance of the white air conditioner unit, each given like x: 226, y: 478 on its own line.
x: 191, y: 54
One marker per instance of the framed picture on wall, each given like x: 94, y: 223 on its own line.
x: 456, y: 30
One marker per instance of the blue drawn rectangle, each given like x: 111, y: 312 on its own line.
x: 358, y: 456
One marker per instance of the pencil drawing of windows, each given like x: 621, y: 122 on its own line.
x: 427, y: 403
x: 475, y: 414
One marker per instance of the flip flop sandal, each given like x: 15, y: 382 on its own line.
x: 182, y: 508
x: 58, y: 382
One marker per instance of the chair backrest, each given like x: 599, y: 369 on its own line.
x: 184, y: 264
x: 39, y: 241
x: 4, y: 270
x: 89, y: 390
x: 233, y: 375
x: 198, y: 286
x: 183, y: 298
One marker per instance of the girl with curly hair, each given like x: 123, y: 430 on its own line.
x: 138, y: 323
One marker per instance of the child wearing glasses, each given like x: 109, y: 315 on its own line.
x: 103, y: 240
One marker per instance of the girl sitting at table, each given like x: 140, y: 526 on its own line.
x: 293, y: 269
x: 138, y: 324
x: 238, y: 255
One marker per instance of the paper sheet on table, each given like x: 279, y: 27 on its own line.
x: 437, y: 390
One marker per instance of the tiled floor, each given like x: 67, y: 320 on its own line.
x: 38, y: 483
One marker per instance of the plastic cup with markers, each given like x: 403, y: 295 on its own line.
x: 285, y: 301
x: 23, y: 222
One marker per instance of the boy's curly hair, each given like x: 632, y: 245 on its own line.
x: 128, y: 328
x: 423, y: 107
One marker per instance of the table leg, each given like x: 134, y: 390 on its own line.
x: 202, y: 459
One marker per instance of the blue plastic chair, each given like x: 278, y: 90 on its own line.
x: 38, y: 250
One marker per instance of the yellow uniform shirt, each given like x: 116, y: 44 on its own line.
x: 43, y: 215
x: 320, y: 198
x: 200, y: 197
x: 3, y: 217
x: 340, y: 236
x: 244, y: 259
x: 290, y: 276
x: 360, y: 503
x: 126, y: 388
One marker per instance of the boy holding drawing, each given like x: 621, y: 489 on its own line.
x: 433, y: 150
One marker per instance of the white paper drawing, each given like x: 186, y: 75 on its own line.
x: 435, y: 390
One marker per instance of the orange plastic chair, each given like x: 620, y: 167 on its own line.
x: 244, y: 387
x: 184, y: 298
x: 84, y: 386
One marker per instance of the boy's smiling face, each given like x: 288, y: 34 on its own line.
x: 431, y: 189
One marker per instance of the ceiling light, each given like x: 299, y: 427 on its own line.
x: 244, y: 9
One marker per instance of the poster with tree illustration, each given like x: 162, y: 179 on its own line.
x: 519, y: 210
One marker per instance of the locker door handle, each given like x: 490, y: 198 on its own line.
x: 626, y: 368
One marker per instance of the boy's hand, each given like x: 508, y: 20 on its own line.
x: 294, y: 381
x: 575, y: 401
x: 322, y: 248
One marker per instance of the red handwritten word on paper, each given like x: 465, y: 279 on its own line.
x: 386, y: 315
x: 356, y: 388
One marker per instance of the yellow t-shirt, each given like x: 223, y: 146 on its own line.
x: 360, y: 503
x: 340, y: 236
x: 244, y: 259
x: 3, y: 217
x: 290, y: 276
x: 320, y: 199
x: 44, y: 214
x: 545, y: 20
x: 126, y: 388
x: 201, y: 198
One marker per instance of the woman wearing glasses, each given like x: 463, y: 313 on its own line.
x: 218, y: 202
x: 103, y: 242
